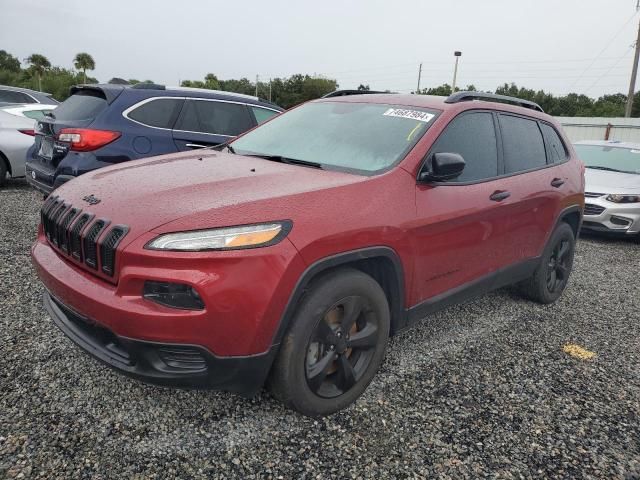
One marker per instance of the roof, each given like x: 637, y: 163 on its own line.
x: 23, y: 90
x: 609, y: 143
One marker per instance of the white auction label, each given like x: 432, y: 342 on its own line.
x: 412, y: 114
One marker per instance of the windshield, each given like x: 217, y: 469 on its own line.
x: 361, y: 137
x: 619, y: 159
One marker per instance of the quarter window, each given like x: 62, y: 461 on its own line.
x: 523, y: 144
x: 556, y: 147
x: 161, y: 112
x: 213, y: 117
x: 473, y: 136
x: 11, y: 96
x: 262, y: 114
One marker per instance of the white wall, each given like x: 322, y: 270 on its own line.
x: 594, y: 128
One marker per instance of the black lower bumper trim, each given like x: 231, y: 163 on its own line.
x: 594, y: 227
x: 173, y: 365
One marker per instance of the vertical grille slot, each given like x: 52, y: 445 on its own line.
x: 108, y: 248
x: 91, y: 245
x: 53, y: 221
x: 63, y: 238
x: 75, y: 242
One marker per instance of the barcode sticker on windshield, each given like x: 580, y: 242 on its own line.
x: 412, y: 114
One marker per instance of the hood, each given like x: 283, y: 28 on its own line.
x: 146, y: 194
x: 602, y: 181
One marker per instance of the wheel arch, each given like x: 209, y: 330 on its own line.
x: 572, y: 216
x: 383, y: 264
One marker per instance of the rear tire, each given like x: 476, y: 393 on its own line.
x: 334, y: 345
x: 551, y: 277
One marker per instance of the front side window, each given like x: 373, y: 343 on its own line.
x: 473, y: 136
x: 160, y: 112
x: 605, y: 157
x: 262, y: 114
x: 556, y: 148
x: 365, y: 137
x: 214, y: 117
x: 523, y: 144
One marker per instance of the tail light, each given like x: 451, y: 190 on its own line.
x: 26, y: 131
x: 85, y: 139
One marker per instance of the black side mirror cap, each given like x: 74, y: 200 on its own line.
x: 442, y: 166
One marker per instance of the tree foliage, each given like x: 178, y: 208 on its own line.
x: 83, y: 61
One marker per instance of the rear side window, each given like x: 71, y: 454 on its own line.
x: 262, y: 114
x: 35, y: 114
x: 556, y: 148
x: 10, y: 96
x: 160, y: 112
x: 473, y: 136
x: 214, y: 117
x: 84, y: 105
x: 523, y: 144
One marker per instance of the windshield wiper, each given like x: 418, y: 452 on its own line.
x: 609, y: 169
x: 288, y: 161
x: 222, y: 146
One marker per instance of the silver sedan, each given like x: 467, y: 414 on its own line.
x: 16, y: 136
x: 612, y: 188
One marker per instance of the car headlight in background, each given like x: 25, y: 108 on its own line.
x: 228, y: 238
x: 623, y: 198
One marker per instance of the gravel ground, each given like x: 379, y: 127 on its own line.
x: 478, y: 390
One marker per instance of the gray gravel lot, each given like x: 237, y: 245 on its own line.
x: 478, y: 390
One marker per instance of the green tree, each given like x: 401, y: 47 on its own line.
x: 38, y: 64
x: 363, y: 88
x: 8, y: 62
x: 84, y: 62
x: 211, y: 82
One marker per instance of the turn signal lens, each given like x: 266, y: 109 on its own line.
x: 623, y: 198
x: 85, y: 139
x: 231, y: 238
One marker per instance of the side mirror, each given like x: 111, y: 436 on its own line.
x: 442, y: 166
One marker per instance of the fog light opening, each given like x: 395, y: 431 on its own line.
x: 173, y: 295
x: 623, y: 222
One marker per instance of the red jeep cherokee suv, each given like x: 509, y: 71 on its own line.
x: 290, y: 255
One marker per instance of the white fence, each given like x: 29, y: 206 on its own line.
x: 599, y: 128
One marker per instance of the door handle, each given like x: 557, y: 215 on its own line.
x: 499, y: 195
x: 195, y: 145
x: 557, y: 182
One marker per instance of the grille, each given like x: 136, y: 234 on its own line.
x: 591, y: 209
x: 593, y: 194
x: 76, y: 234
x: 182, y: 358
x: 108, y: 248
x: 90, y: 244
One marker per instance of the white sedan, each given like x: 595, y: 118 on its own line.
x: 16, y: 136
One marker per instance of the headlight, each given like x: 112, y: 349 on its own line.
x: 231, y: 238
x: 623, y: 198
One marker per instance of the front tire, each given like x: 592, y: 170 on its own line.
x: 551, y: 277
x: 334, y: 345
x: 3, y: 170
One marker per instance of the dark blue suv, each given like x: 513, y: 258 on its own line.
x: 99, y: 125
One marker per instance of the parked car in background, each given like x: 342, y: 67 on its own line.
x: 612, y: 186
x: 11, y: 95
x: 16, y: 136
x: 99, y: 125
x: 294, y: 251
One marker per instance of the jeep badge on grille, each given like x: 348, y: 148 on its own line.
x: 91, y: 200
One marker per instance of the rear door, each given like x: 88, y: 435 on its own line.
x: 460, y: 230
x: 204, y: 123
x: 534, y: 182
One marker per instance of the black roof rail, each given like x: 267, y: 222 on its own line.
x: 344, y: 93
x: 148, y: 86
x: 492, y: 97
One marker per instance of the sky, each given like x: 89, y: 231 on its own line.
x: 561, y: 46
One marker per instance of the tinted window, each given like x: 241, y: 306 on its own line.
x: 10, y: 96
x: 523, y: 144
x: 84, y: 105
x: 161, y: 112
x: 262, y: 114
x: 214, y: 117
x: 357, y: 136
x: 473, y: 136
x: 556, y: 147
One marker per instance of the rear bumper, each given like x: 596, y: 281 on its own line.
x: 43, y: 180
x: 174, y: 365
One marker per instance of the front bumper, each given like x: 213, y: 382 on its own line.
x: 175, y: 365
x: 601, y: 215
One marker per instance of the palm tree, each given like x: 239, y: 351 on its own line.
x: 84, y: 62
x: 39, y: 65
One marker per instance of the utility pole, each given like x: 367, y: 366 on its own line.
x: 456, y: 54
x: 634, y: 72
x: 256, y: 85
x: 270, y: 86
x: 420, y: 74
